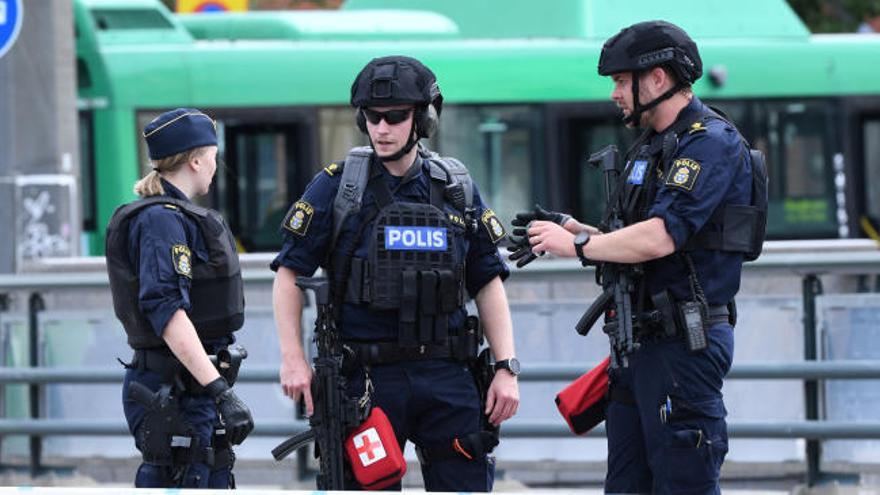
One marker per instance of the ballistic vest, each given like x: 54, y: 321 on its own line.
x: 737, y: 228
x: 414, y: 265
x: 216, y: 293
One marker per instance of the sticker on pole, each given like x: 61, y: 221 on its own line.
x: 10, y: 23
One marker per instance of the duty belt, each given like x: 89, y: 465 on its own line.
x: 162, y: 361
x: 652, y: 323
x: 369, y: 353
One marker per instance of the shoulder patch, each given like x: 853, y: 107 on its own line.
x: 181, y: 258
x: 299, y: 218
x: 332, y: 169
x: 696, y: 127
x: 683, y: 173
x: 493, y: 226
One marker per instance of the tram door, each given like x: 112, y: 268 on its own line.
x: 581, y: 184
x: 265, y: 167
x: 869, y: 220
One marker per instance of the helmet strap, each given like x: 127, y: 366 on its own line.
x: 635, y: 117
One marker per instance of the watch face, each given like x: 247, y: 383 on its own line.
x: 582, y: 238
x: 514, y: 365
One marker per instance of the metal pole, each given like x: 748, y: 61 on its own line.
x: 4, y: 306
x: 812, y: 287
x: 35, y: 305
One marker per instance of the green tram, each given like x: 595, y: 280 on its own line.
x: 523, y: 103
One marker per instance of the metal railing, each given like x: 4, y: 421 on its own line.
x: 806, y: 259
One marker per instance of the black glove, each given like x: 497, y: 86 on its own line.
x: 521, y: 250
x: 234, y: 413
x: 524, y: 218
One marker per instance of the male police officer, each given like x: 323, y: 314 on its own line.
x: 406, y: 239
x: 686, y: 191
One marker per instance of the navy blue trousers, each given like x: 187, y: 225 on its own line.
x: 672, y: 436
x: 432, y: 402
x: 200, y: 412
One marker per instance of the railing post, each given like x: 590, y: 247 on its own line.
x: 4, y: 306
x: 35, y: 305
x: 812, y: 287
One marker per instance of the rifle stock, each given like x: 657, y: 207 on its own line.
x: 597, y: 309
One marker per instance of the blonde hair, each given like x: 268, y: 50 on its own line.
x: 151, y: 184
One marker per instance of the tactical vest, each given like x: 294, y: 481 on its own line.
x: 216, y: 293
x: 739, y: 228
x: 413, y: 265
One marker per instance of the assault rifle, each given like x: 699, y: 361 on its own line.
x: 335, y: 413
x: 616, y: 279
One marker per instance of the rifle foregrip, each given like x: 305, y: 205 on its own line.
x: 594, y: 312
x: 293, y: 443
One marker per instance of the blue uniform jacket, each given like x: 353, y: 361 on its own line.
x: 305, y: 250
x: 709, y: 168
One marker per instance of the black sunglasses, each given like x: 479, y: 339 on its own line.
x: 392, y: 117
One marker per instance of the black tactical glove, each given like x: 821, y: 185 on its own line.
x: 521, y: 250
x: 520, y: 246
x: 234, y: 413
x: 524, y: 218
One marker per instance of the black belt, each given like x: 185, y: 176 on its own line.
x: 719, y: 314
x: 653, y: 326
x: 392, y: 352
x: 158, y: 360
x: 166, y: 364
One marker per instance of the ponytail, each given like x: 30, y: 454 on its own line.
x: 151, y: 184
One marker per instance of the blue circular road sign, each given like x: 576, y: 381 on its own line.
x: 10, y: 23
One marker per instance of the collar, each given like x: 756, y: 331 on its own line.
x: 692, y: 112
x: 173, y: 192
x: 413, y: 173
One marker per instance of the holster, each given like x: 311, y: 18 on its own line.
x: 582, y: 403
x: 374, y: 454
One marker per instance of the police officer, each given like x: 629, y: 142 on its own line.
x: 687, y: 180
x: 406, y: 255
x: 177, y: 290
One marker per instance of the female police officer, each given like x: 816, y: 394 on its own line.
x: 177, y: 289
x: 691, y: 203
x: 416, y: 244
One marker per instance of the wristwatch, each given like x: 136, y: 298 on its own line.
x: 580, y: 241
x: 511, y: 365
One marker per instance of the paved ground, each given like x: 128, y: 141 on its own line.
x: 534, y: 478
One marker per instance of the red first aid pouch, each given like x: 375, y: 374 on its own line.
x: 374, y: 454
x: 583, y: 402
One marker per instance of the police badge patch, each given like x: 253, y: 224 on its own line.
x: 493, y: 225
x: 299, y: 217
x: 683, y: 173
x: 181, y: 258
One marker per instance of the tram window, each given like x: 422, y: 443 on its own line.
x: 260, y: 159
x: 87, y: 170
x: 871, y: 154
x: 499, y: 145
x: 796, y: 139
x: 338, y: 134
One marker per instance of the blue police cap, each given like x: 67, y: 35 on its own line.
x: 177, y: 131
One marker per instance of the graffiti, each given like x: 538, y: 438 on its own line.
x: 37, y: 239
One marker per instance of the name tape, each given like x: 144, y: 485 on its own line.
x: 415, y: 238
